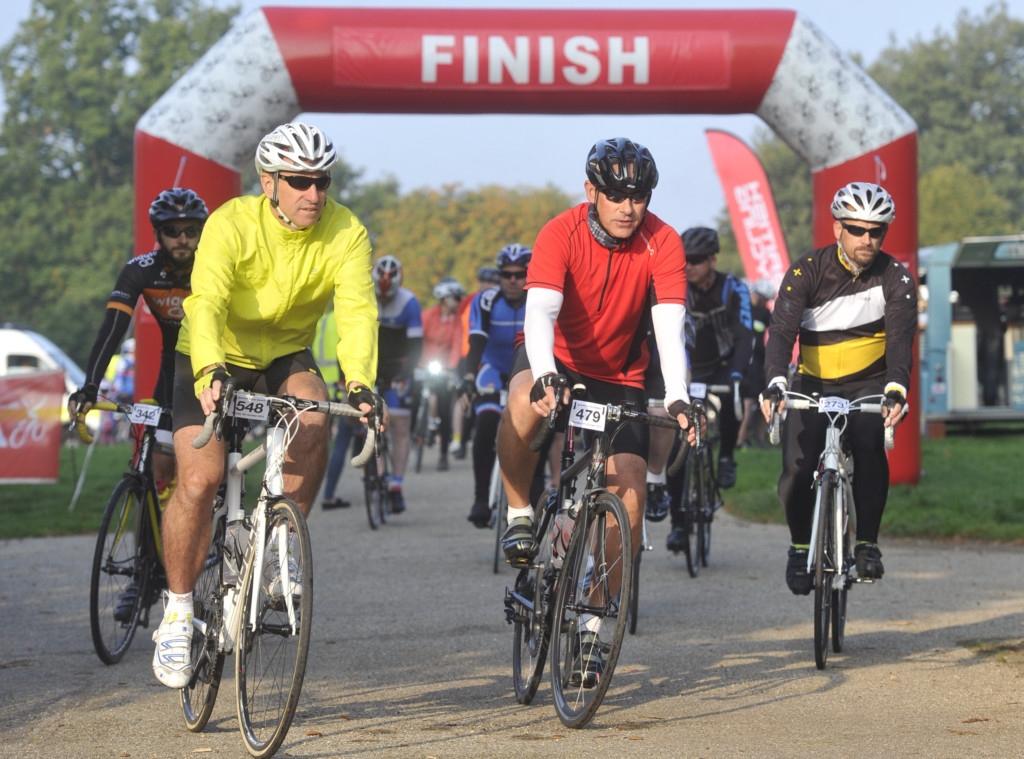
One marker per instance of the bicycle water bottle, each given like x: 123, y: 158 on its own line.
x: 235, y: 540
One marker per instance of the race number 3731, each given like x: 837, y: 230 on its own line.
x: 587, y: 415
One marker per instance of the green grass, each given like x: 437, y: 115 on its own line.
x: 969, y: 489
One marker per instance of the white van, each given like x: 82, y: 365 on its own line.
x: 23, y: 351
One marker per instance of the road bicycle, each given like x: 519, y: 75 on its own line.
x: 435, y: 384
x: 236, y: 609
x: 585, y: 551
x: 127, y: 573
x: 701, y: 497
x: 834, y: 524
x: 376, y: 478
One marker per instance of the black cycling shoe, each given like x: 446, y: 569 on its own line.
x: 726, y: 473
x: 869, y: 561
x: 126, y: 603
x: 396, y: 501
x: 518, y: 542
x: 657, y: 501
x: 798, y: 579
x: 442, y: 464
x: 335, y: 503
x: 480, y: 515
x: 677, y: 540
x: 588, y: 661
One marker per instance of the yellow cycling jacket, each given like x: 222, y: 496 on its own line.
x: 259, y: 288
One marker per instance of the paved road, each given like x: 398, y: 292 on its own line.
x: 411, y: 654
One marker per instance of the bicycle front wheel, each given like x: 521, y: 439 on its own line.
x: 199, y: 696
x: 532, y: 623
x: 499, y: 513
x: 119, y: 581
x: 272, y: 640
x: 824, y: 569
x: 374, y: 493
x: 692, y: 500
x: 592, y: 596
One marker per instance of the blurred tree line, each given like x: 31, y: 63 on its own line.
x: 965, y: 90
x: 79, y: 73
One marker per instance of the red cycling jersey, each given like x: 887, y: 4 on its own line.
x: 442, y: 337
x: 601, y: 328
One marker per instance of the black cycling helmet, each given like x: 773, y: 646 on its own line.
x: 699, y: 243
x: 175, y: 204
x: 622, y: 166
x: 489, y: 274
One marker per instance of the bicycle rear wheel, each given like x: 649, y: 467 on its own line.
x: 270, y: 652
x: 199, y: 696
x: 120, y: 560
x: 599, y: 560
x: 823, y: 570
x: 532, y: 625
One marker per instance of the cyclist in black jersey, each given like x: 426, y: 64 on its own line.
x: 162, y: 277
x: 855, y: 310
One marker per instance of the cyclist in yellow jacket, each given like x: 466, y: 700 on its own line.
x: 264, y: 272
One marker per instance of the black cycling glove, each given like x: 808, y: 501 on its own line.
x: 362, y: 394
x: 675, y: 408
x: 775, y: 394
x: 557, y: 381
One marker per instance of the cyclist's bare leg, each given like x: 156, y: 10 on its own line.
x: 306, y: 458
x: 187, y: 519
x: 399, y: 430
x: 660, y: 442
x: 626, y: 474
x: 519, y: 423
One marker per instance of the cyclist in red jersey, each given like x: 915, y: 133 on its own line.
x: 599, y: 272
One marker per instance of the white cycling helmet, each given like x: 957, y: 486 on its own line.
x: 392, y: 267
x: 863, y: 201
x: 448, y: 288
x: 295, y: 146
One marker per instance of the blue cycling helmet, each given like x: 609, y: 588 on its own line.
x: 514, y: 254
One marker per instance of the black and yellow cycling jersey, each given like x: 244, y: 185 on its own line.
x: 851, y: 326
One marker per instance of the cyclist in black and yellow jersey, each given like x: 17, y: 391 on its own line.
x: 855, y: 309
x: 265, y: 269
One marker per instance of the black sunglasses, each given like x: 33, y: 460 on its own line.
x: 619, y: 197
x: 513, y: 274
x: 297, y: 182
x: 191, y: 231
x: 874, y: 233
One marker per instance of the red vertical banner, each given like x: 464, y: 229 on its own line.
x: 30, y: 427
x: 755, y: 221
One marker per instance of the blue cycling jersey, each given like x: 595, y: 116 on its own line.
x: 499, y: 321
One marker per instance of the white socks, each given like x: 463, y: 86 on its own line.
x: 655, y: 479
x: 178, y: 605
x: 519, y: 512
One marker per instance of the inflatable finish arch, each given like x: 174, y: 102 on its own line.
x: 278, y: 62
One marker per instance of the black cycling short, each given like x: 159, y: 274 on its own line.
x: 188, y: 412
x: 632, y: 438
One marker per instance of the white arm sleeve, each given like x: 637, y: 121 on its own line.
x: 669, y: 320
x: 542, y: 307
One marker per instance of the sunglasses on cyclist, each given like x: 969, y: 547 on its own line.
x: 513, y: 274
x: 619, y: 197
x: 298, y: 182
x: 856, y: 231
x: 191, y: 231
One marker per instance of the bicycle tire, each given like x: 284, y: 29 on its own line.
x: 634, y: 597
x: 372, y: 494
x: 264, y: 717
x: 595, y: 532
x: 420, y: 432
x: 200, y: 695
x: 839, y: 598
x: 499, y: 508
x: 691, y: 507
x: 531, y: 632
x: 119, y: 553
x: 707, y: 510
x: 822, y: 574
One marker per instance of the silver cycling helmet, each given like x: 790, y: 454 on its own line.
x: 295, y: 146
x: 863, y: 201
x: 391, y: 266
x: 448, y: 288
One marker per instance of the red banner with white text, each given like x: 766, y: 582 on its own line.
x: 30, y: 431
x: 755, y: 221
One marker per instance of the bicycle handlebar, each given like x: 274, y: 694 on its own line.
x: 334, y: 408
x: 800, y: 402
x: 78, y: 420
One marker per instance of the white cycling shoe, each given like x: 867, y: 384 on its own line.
x: 172, y: 658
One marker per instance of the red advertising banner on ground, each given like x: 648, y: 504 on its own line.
x: 755, y: 222
x: 30, y: 427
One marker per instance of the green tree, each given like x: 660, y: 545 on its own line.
x: 954, y: 203
x: 453, y: 231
